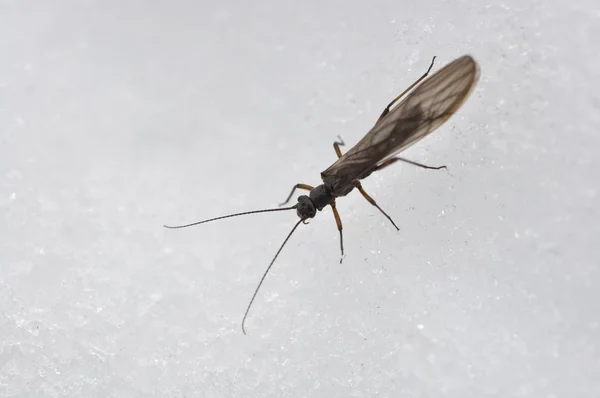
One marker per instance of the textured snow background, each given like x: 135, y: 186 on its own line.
x: 117, y: 117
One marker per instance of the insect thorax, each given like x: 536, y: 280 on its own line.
x: 321, y: 196
x: 334, y: 189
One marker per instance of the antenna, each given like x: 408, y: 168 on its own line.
x: 272, y: 261
x: 230, y: 215
x: 266, y: 272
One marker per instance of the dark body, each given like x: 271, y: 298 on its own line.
x: 411, y: 116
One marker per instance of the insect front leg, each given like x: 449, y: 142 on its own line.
x: 372, y: 201
x: 297, y: 186
x: 337, y: 145
x: 394, y: 160
x: 338, y: 221
x: 419, y: 80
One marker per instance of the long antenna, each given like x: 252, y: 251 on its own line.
x: 230, y: 215
x: 266, y: 272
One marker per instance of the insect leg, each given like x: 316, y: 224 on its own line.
x: 394, y: 160
x: 336, y: 146
x: 372, y: 201
x: 338, y: 221
x: 297, y: 186
x: 387, y: 108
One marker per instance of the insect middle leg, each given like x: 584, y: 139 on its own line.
x: 337, y: 145
x: 338, y: 221
x: 387, y: 108
x: 372, y: 201
x: 297, y: 186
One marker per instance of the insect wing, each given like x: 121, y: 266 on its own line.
x: 435, y: 101
x: 423, y: 110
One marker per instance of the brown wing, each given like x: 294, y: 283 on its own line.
x: 420, y: 112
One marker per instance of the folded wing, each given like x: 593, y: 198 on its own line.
x: 418, y: 114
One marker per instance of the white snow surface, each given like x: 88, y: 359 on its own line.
x: 117, y: 117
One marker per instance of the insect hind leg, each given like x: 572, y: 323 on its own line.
x: 396, y: 159
x: 419, y: 80
x: 297, y: 186
x: 372, y: 201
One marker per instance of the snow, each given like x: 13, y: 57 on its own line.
x: 119, y: 117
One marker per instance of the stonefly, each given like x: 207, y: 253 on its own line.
x: 411, y: 116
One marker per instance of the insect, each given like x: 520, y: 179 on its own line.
x: 411, y: 116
